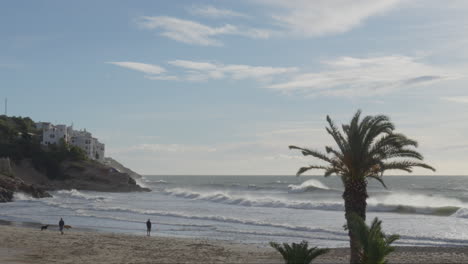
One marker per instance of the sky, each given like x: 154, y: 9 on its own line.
x: 224, y: 87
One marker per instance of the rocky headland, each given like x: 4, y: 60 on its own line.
x: 80, y: 175
x: 33, y: 168
x: 9, y: 184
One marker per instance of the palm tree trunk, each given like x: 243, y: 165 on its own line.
x: 355, y: 195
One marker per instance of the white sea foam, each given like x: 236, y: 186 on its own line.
x: 217, y: 218
x: 416, y: 200
x: 159, y: 182
x: 307, y: 186
x: 141, y: 182
x: 395, y: 202
x: 77, y: 194
x: 461, y: 213
x: 19, y: 196
x: 222, y: 209
x: 257, y: 201
x: 308, y: 231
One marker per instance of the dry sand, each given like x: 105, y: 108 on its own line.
x: 27, y: 245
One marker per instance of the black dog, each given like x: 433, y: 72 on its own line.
x: 44, y: 227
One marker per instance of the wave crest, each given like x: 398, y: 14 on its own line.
x: 396, y: 202
x: 19, y: 196
x: 274, y: 202
x: 307, y: 186
x: 81, y: 195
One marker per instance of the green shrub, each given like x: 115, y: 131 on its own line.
x: 298, y: 253
x: 374, y: 244
x: 19, y: 139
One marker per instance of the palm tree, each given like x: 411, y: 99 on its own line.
x: 375, y: 245
x: 298, y: 253
x: 366, y: 149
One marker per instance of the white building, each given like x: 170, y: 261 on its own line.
x: 53, y: 134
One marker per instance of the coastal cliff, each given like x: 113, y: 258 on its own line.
x: 27, y: 165
x: 9, y: 184
x: 121, y: 168
x: 80, y: 175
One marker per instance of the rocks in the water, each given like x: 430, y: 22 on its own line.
x: 5, y: 195
x: 81, y: 175
x: 10, y: 184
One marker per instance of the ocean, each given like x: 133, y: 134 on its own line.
x: 424, y: 211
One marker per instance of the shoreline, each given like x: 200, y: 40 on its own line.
x: 25, y: 244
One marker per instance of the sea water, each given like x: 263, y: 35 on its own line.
x: 424, y: 211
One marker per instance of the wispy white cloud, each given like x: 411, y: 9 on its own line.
x: 142, y: 67
x: 192, y: 32
x: 200, y: 71
x: 316, y: 18
x: 214, y: 12
x: 348, y: 76
x: 456, y: 99
x: 162, y: 77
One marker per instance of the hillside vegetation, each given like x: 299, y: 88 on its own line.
x: 19, y: 140
x: 36, y: 168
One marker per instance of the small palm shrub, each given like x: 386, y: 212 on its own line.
x: 373, y: 242
x: 298, y: 253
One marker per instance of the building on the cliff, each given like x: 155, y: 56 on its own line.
x: 53, y: 134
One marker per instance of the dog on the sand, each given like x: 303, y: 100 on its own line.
x: 67, y: 226
x: 44, y: 227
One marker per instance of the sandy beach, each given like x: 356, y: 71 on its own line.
x: 28, y: 245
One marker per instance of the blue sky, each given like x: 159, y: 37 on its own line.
x: 223, y: 87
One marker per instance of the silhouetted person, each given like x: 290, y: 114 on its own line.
x: 148, y: 227
x: 61, y: 224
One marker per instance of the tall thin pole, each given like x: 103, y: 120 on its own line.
x: 6, y: 106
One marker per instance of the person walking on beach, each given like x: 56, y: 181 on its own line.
x: 61, y: 225
x: 148, y: 227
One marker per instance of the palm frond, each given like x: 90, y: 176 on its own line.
x: 374, y: 244
x: 331, y: 170
x: 313, y: 153
x: 377, y: 125
x: 405, y: 165
x: 298, y: 252
x: 304, y: 169
x: 337, y: 154
x: 337, y: 136
x: 379, y: 179
x: 403, y: 153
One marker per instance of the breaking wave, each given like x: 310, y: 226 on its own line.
x: 141, y: 182
x: 77, y: 194
x: 395, y: 202
x: 254, y: 201
x: 461, y: 213
x: 159, y: 182
x: 19, y: 196
x: 308, y: 185
x: 416, y: 203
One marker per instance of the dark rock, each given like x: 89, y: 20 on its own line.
x: 10, y: 184
x: 81, y: 175
x: 5, y: 195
